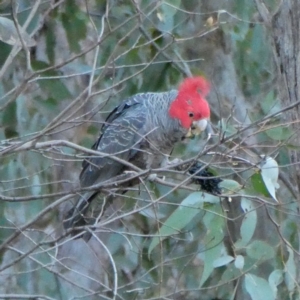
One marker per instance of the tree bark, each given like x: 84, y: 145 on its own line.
x: 286, y: 37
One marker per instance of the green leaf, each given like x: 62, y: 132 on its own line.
x: 182, y: 216
x: 165, y: 15
x: 279, y: 133
x: 53, y: 86
x: 249, y: 222
x: 49, y: 104
x: 10, y: 114
x: 275, y: 278
x: 258, y: 288
x: 229, y: 274
x: 211, y: 254
x: 9, y: 120
x: 239, y: 262
x: 230, y: 186
x: 259, y: 185
x: 74, y: 23
x: 214, y: 223
x: 10, y: 35
x: 115, y: 242
x: 270, y: 103
x: 225, y: 128
x: 290, y: 271
x: 269, y: 172
x: 260, y: 250
x: 222, y: 261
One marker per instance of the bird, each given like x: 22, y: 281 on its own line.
x: 142, y: 130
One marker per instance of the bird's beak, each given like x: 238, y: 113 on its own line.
x: 196, y: 128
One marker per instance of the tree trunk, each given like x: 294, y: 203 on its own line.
x: 286, y: 26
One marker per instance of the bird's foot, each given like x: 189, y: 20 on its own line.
x: 129, y: 174
x: 173, y: 162
x: 152, y: 177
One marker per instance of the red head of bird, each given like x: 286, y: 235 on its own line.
x: 190, y: 104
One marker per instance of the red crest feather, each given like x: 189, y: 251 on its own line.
x: 190, y: 103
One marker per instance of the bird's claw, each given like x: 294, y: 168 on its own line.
x: 175, y: 161
x: 152, y: 177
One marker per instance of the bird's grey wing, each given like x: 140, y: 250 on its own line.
x: 119, y: 139
x: 120, y: 133
x: 121, y: 136
x: 118, y: 111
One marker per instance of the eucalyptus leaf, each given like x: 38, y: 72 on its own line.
x: 10, y: 35
x: 270, y: 103
x: 275, y: 278
x: 279, y: 133
x: 249, y: 221
x: 213, y: 241
x: 211, y: 254
x: 269, y: 172
x: 226, y: 128
x: 258, y: 288
x: 182, y: 216
x: 239, y: 262
x: 222, y: 261
x: 166, y: 15
x: 290, y: 271
x: 259, y: 185
x: 75, y: 24
x: 230, y: 186
x: 260, y: 250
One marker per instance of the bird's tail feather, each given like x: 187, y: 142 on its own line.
x: 75, y: 216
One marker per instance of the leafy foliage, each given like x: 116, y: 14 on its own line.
x: 65, y: 66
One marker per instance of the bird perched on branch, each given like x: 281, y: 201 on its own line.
x: 142, y: 130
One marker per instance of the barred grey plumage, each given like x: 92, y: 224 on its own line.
x: 142, y: 131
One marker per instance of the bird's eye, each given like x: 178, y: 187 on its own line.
x: 191, y: 115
